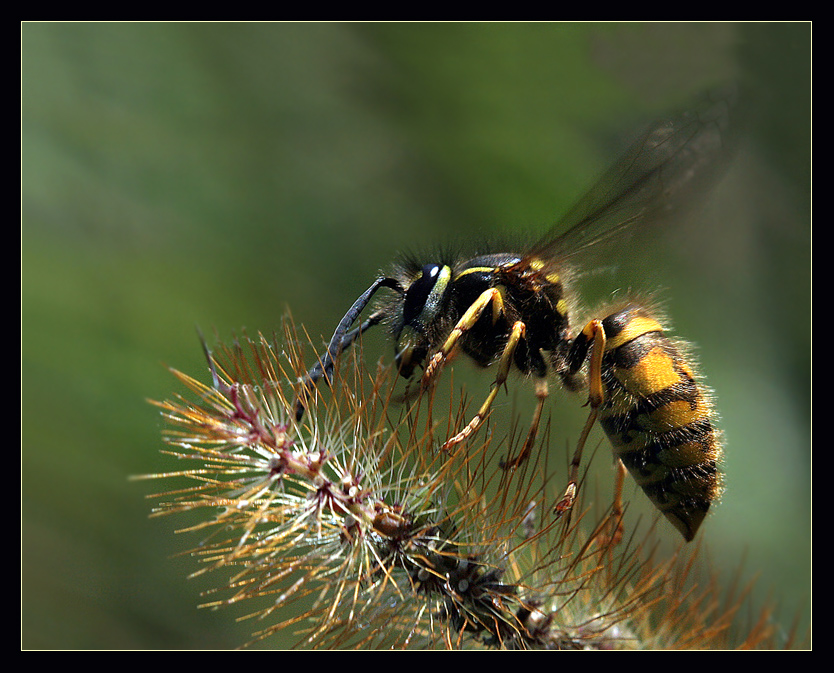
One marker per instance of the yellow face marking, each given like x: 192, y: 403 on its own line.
x: 442, y: 281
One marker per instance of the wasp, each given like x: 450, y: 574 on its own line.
x: 514, y: 310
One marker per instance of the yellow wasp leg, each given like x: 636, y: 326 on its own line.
x: 541, y: 394
x: 610, y: 533
x: 593, y: 331
x: 504, y: 365
x: 616, y: 520
x: 466, y: 322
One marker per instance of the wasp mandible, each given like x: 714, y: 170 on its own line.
x: 513, y: 310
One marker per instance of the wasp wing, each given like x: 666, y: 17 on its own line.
x: 658, y: 174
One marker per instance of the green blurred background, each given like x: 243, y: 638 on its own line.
x: 213, y: 175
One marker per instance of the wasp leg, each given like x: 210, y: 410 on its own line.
x: 504, y: 365
x: 616, y: 520
x: 610, y: 532
x: 466, y: 322
x: 593, y: 334
x: 526, y: 449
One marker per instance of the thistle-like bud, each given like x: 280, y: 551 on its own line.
x: 358, y: 527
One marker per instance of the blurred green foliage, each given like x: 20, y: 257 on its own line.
x: 213, y: 175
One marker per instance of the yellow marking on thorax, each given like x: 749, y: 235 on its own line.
x: 537, y: 265
x: 476, y: 269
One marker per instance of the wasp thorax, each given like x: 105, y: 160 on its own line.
x: 421, y: 306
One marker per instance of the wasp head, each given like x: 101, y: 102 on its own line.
x: 422, y: 305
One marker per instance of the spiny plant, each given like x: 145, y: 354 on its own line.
x: 352, y: 529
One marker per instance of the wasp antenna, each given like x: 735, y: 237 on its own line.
x: 343, y: 339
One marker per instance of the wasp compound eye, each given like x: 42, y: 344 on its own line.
x: 423, y: 303
x: 421, y: 298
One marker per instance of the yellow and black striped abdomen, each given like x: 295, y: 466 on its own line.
x: 659, y: 419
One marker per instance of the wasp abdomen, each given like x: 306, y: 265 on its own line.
x: 659, y: 419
